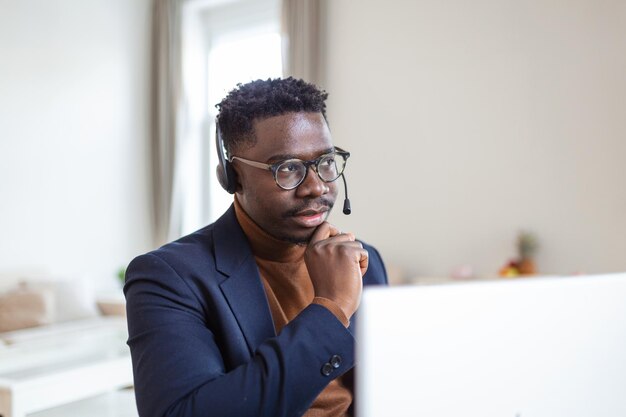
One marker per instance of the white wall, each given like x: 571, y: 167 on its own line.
x: 73, y: 126
x: 469, y: 121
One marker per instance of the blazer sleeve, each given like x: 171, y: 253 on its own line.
x: 376, y: 272
x: 178, y: 363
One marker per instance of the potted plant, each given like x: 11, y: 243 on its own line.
x: 527, y: 249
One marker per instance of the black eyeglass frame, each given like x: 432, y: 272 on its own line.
x: 314, y: 163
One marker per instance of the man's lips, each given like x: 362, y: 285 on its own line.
x: 309, y: 208
x: 312, y: 212
x: 311, y: 217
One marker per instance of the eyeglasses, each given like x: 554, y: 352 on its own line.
x: 291, y: 173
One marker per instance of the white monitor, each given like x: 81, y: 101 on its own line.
x: 535, y: 347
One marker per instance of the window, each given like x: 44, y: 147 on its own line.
x: 238, y: 56
x: 231, y: 42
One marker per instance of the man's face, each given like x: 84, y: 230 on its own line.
x: 290, y: 215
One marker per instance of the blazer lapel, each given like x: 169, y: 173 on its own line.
x: 242, y: 288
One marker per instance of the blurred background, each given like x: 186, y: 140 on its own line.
x: 482, y: 133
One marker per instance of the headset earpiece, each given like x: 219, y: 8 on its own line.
x: 226, y: 175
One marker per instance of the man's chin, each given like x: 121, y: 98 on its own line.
x: 298, y: 240
x: 298, y: 236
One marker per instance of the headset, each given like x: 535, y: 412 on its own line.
x: 227, y: 176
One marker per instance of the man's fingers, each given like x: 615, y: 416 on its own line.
x: 344, y: 237
x: 323, y: 231
x: 363, y: 261
x: 326, y: 230
x: 333, y: 230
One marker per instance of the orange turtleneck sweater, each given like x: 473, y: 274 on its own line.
x: 289, y: 290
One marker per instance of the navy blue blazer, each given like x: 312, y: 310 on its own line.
x: 202, y: 338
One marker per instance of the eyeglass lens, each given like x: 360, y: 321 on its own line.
x: 291, y: 173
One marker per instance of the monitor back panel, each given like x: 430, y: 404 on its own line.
x: 539, y: 347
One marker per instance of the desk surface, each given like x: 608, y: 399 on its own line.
x: 47, y: 368
x: 112, y: 404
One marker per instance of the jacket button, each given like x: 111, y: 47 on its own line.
x: 335, y: 361
x: 327, y: 369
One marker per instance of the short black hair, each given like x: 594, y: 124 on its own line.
x: 261, y: 99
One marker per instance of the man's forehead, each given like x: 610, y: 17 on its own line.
x: 291, y: 135
x: 288, y: 122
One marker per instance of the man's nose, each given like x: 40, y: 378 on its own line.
x: 312, y: 186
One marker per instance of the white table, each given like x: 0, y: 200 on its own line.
x: 49, y: 367
x: 112, y: 404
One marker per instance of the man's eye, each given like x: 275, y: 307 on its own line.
x: 328, y: 161
x: 289, y: 167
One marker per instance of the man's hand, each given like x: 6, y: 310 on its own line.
x: 336, y: 264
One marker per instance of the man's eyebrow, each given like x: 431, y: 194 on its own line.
x: 280, y: 157
x: 284, y: 157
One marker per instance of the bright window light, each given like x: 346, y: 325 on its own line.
x: 237, y: 58
x: 240, y: 60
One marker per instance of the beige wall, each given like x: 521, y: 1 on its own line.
x: 469, y: 121
x: 491, y: 117
x: 73, y: 126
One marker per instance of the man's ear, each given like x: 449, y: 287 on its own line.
x: 237, y: 183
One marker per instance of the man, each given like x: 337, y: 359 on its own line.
x: 251, y: 315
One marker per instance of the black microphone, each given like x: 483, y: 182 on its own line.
x: 346, y: 201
